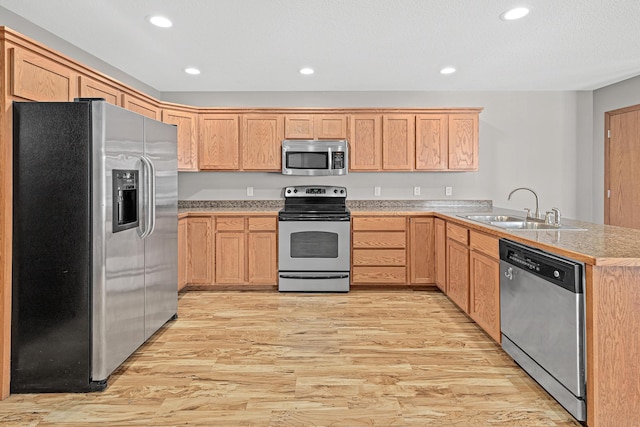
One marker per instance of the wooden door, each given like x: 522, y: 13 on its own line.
x: 422, y: 250
x: 622, y: 174
x: 365, y: 143
x: 230, y: 258
x: 463, y: 142
x: 398, y: 141
x: 432, y: 139
x: 38, y: 78
x: 440, y: 237
x: 141, y: 106
x: 262, y: 136
x: 219, y: 142
x: 91, y: 88
x: 182, y: 253
x: 187, y: 124
x: 298, y: 126
x: 458, y: 273
x: 262, y: 258
x: 484, y: 297
x: 200, y: 250
x: 330, y: 126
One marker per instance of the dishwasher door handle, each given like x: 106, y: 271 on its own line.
x: 509, y: 273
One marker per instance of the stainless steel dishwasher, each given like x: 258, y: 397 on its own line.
x: 542, y: 320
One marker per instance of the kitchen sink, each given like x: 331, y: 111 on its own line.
x: 509, y: 222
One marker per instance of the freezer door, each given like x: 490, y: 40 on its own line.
x: 118, y: 264
x: 161, y: 245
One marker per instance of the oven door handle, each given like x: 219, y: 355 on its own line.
x: 293, y: 276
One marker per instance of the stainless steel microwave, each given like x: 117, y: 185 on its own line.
x: 315, y: 157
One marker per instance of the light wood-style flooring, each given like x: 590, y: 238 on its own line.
x: 374, y: 358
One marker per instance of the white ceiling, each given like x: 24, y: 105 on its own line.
x: 354, y: 45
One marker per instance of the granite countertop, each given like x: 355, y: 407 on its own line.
x: 595, y: 244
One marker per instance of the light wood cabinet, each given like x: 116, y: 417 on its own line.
x: 379, y: 250
x: 432, y: 142
x: 463, y: 142
x: 141, y: 106
x: 92, y: 88
x: 365, y: 142
x: 219, y: 141
x: 316, y: 126
x: 262, y: 136
x: 38, y: 78
x: 422, y: 250
x: 187, y: 128
x: 246, y: 250
x: 484, y: 283
x: 200, y: 249
x: 458, y: 265
x: 182, y: 253
x: 440, y: 254
x: 398, y: 142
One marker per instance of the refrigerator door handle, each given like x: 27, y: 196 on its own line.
x: 148, y: 172
x: 152, y: 196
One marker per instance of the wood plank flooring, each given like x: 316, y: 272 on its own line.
x: 374, y: 358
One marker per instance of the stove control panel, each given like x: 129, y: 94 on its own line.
x: 315, y: 191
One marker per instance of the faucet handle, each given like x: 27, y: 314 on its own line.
x: 557, y: 215
x: 528, y: 211
x: 547, y: 217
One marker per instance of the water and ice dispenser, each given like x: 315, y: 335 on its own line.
x: 125, y: 199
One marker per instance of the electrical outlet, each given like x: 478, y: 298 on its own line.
x: 448, y: 191
x: 250, y: 191
x: 376, y: 191
x: 416, y: 191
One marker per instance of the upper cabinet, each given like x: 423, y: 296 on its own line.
x: 92, y: 88
x: 432, y: 142
x: 141, y: 106
x: 219, y: 141
x: 365, y: 142
x: 463, y: 142
x: 37, y: 78
x: 315, y: 126
x: 398, y: 141
x: 262, y: 136
x: 187, y: 124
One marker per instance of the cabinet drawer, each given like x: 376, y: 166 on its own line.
x: 380, y: 240
x: 227, y: 223
x: 458, y: 233
x: 484, y: 243
x: 379, y: 223
x: 396, y: 257
x: 379, y: 275
x: 266, y: 223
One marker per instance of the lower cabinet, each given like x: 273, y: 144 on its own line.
x: 440, y: 243
x: 182, y: 253
x: 484, y: 282
x: 421, y: 250
x: 200, y: 246
x: 458, y: 266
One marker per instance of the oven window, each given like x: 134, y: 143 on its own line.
x: 307, y: 160
x: 314, y: 244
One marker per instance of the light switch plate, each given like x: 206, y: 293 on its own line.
x: 376, y: 191
x: 416, y: 191
x: 448, y: 191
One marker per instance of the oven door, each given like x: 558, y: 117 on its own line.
x: 314, y: 246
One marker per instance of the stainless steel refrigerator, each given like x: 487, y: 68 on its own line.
x: 95, y: 241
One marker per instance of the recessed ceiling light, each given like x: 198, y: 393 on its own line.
x: 516, y: 13
x: 448, y: 70
x: 306, y: 71
x: 160, y: 21
x: 192, y: 71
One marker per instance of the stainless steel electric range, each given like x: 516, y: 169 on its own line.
x: 314, y: 237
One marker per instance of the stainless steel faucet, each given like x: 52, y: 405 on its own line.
x: 537, y: 212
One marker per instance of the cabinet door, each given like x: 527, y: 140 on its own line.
x: 441, y: 254
x: 182, y: 253
x: 90, y: 88
x: 38, y: 78
x: 432, y: 142
x: 422, y: 250
x: 463, y: 141
x: 365, y: 144
x: 219, y: 142
x: 230, y: 258
x: 262, y: 136
x: 398, y: 141
x: 458, y: 274
x: 187, y: 124
x: 298, y: 126
x: 330, y: 126
x: 199, y: 251
x: 140, y: 106
x: 263, y: 267
x: 484, y: 298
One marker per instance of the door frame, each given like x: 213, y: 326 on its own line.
x: 607, y: 169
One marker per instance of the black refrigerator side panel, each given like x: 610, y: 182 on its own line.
x: 51, y: 322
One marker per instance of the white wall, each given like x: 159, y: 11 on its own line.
x: 619, y: 95
x: 527, y: 139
